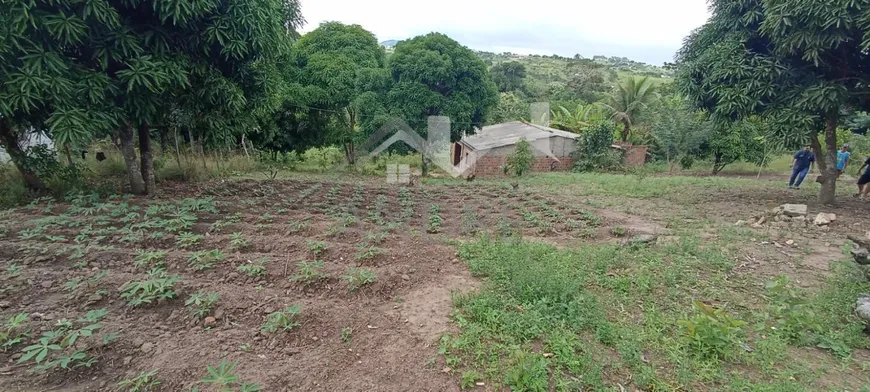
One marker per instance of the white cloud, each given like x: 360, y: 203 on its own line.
x: 639, y: 29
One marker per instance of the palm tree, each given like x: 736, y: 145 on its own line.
x: 629, y: 100
x: 578, y: 120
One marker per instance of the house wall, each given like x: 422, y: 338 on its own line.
x: 491, y: 162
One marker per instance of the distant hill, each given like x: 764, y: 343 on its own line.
x: 390, y: 43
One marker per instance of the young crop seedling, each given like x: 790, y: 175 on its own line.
x: 13, y: 271
x: 367, y: 252
x: 238, y: 242
x: 299, y: 226
x: 142, y: 382
x: 201, y: 304
x: 346, y: 333
x: 188, y: 239
x: 150, y: 259
x: 205, y: 259
x: 13, y: 332
x: 358, y: 277
x: 226, y: 222
x: 224, y: 379
x: 282, y: 320
x: 67, y: 346
x: 316, y: 247
x: 254, y: 269
x: 309, y: 272
x: 157, y: 286
x: 434, y: 225
x: 267, y: 218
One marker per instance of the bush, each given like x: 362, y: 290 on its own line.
x: 520, y: 162
x: 712, y: 333
x: 594, y: 152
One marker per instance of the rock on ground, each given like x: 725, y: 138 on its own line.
x: 862, y: 307
x: 824, y: 218
x: 793, y: 210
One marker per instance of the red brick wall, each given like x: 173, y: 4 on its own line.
x: 492, y: 165
x: 635, y: 156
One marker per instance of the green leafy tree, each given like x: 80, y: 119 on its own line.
x: 508, y: 76
x: 587, y: 79
x: 520, y: 161
x: 679, y: 131
x: 510, y: 107
x: 80, y: 70
x: 582, y: 118
x: 339, y: 63
x: 628, y: 101
x: 798, y: 62
x: 433, y: 75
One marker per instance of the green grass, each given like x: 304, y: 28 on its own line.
x: 593, y: 316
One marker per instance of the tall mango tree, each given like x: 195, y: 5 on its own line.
x: 336, y: 60
x: 81, y: 68
x: 800, y: 63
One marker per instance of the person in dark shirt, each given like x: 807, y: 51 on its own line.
x: 863, y: 189
x: 801, y: 165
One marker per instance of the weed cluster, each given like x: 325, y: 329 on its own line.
x: 434, y: 222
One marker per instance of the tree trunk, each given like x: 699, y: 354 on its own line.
x: 626, y: 131
x: 163, y: 140
x: 145, y: 153
x: 9, y: 142
x: 717, y: 158
x: 68, y: 154
x: 827, y: 195
x: 128, y: 150
x: 424, y: 168
x: 817, y: 150
x: 178, y: 155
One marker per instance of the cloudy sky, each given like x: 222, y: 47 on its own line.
x: 643, y: 30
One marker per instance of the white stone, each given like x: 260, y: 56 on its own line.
x: 794, y: 209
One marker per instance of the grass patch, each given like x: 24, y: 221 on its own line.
x: 665, y: 318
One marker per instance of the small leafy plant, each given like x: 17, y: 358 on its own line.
x: 309, y: 272
x: 157, y: 286
x: 346, y: 335
x: 201, y: 304
x: 316, y: 247
x: 282, y: 320
x: 188, y: 239
x: 224, y: 378
x: 434, y: 225
x: 142, y: 382
x: 298, y: 226
x: 68, y: 344
x: 238, y: 242
x: 150, y: 259
x: 12, y: 331
x: 358, y: 277
x: 205, y: 259
x: 255, y: 268
x: 711, y: 333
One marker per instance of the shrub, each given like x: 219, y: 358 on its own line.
x: 711, y: 332
x: 594, y: 150
x: 520, y: 162
x: 283, y: 320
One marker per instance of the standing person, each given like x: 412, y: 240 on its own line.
x: 801, y: 165
x: 843, y: 159
x: 863, y: 189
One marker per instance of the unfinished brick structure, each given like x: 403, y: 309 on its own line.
x: 486, y: 152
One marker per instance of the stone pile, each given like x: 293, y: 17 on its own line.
x: 789, y: 216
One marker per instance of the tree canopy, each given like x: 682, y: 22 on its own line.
x: 798, y: 62
x: 82, y: 69
x: 508, y: 76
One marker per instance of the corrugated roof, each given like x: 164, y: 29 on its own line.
x: 505, y: 134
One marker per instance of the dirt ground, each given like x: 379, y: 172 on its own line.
x: 396, y: 321
x: 382, y: 337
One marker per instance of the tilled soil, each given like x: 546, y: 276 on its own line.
x: 381, y: 337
